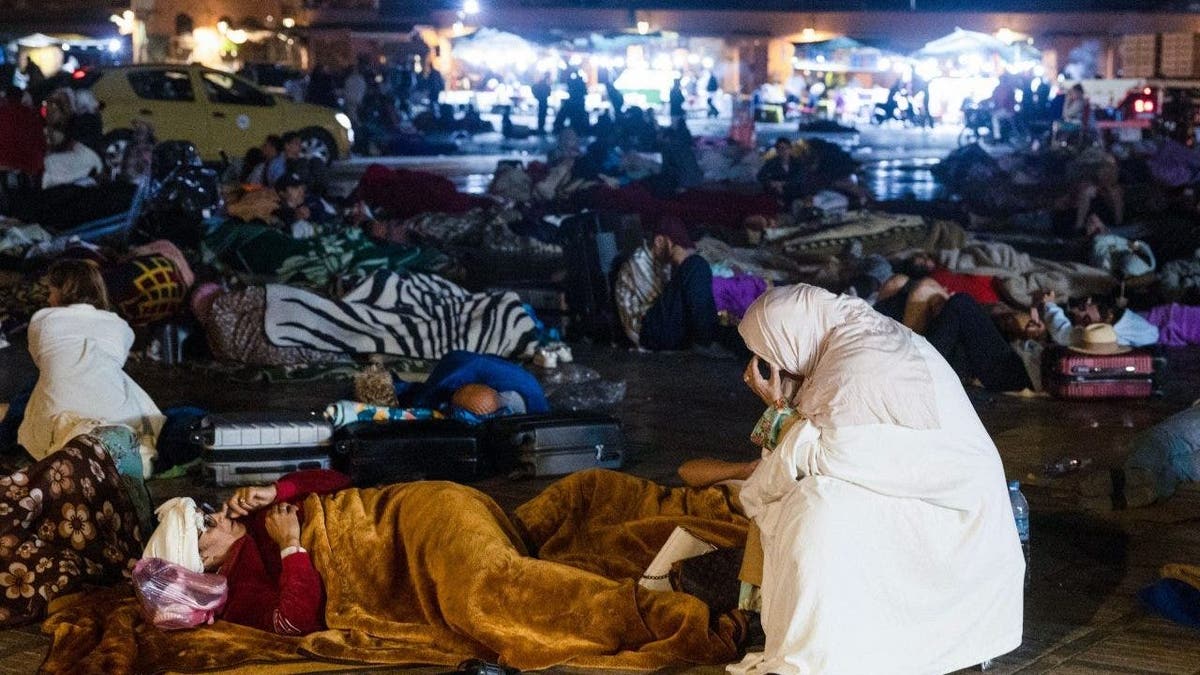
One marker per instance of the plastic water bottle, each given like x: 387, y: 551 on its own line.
x: 1020, y: 509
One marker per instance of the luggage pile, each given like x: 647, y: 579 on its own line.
x: 256, y: 448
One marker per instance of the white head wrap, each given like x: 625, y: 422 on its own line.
x: 859, y: 367
x: 177, y: 537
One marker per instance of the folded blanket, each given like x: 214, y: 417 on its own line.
x: 433, y: 572
x: 416, y: 315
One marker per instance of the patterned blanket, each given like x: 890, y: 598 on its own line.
x: 67, y: 522
x: 415, y: 315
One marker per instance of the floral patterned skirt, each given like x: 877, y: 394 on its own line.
x: 65, y: 521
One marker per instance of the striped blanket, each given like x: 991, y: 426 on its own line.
x: 414, y: 315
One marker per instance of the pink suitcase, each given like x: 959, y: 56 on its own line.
x: 1072, y: 375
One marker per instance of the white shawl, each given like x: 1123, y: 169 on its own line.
x: 888, y: 540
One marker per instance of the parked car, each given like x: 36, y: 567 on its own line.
x: 218, y: 111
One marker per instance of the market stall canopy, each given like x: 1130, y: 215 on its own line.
x: 619, y: 40
x: 40, y: 40
x: 488, y: 46
x: 973, y: 42
x: 843, y: 54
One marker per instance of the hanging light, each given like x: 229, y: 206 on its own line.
x: 470, y: 7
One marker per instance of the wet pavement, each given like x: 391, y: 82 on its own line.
x: 1081, y: 616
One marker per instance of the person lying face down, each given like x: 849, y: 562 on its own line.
x: 254, y: 541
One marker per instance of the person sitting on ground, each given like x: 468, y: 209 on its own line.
x: 958, y: 328
x: 70, y: 162
x: 298, y: 212
x: 781, y: 175
x: 86, y: 125
x: 292, y: 160
x: 1074, y: 108
x: 683, y: 314
x: 255, y: 172
x: 883, y: 498
x: 80, y: 348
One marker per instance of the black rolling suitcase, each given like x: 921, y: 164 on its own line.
x: 554, y: 444
x: 594, y: 244
x: 378, y: 453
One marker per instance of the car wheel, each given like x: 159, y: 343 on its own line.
x: 114, y: 144
x: 317, y: 144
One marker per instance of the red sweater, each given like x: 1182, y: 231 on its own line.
x: 283, y: 596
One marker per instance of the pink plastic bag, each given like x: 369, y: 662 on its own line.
x: 175, y: 597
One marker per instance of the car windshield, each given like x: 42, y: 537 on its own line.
x: 162, y: 85
x: 225, y: 88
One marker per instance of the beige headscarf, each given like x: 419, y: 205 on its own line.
x: 177, y: 537
x: 859, y: 367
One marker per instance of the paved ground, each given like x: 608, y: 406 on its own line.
x: 1081, y: 614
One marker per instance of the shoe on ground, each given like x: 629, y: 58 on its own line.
x: 545, y: 358
x: 563, y: 352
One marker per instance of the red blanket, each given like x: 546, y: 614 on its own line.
x: 405, y: 193
x: 714, y: 208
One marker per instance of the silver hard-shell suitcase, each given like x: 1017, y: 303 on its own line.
x: 251, y: 448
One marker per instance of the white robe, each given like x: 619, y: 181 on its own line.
x: 895, y: 551
x: 80, y: 352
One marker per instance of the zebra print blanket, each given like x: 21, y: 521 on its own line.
x: 415, y: 315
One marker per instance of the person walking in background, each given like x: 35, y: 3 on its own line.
x: 321, y: 89
x: 712, y: 88
x: 354, y: 88
x: 615, y: 97
x: 435, y: 85
x: 541, y: 94
x: 676, y: 100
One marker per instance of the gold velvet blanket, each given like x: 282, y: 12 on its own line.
x: 434, y: 572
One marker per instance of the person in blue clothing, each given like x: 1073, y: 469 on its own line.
x: 456, y: 380
x: 1132, y: 330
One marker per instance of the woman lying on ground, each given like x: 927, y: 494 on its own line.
x: 957, y: 327
x: 434, y: 572
x: 888, y: 538
x: 80, y: 348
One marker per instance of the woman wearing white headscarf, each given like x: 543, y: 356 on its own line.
x: 888, y: 538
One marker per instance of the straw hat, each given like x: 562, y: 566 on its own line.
x: 1098, y: 338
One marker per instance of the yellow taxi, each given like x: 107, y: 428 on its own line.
x: 217, y: 111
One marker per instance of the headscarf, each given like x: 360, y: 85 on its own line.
x: 177, y: 537
x: 858, y: 366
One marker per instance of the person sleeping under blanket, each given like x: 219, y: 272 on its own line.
x: 511, y: 386
x: 427, y: 572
